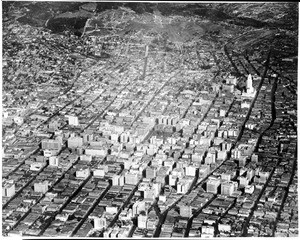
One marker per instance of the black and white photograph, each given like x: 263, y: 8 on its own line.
x: 149, y: 119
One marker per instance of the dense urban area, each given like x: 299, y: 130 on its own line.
x: 132, y: 135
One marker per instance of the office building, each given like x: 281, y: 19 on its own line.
x: 185, y: 211
x: 138, y: 207
x: 212, y: 185
x: 53, y: 161
x: 227, y: 188
x: 51, y: 144
x: 73, y: 120
x: 41, y: 186
x: 142, y: 220
x: 100, y: 223
x: 75, y: 142
x: 131, y: 178
x: 8, y: 190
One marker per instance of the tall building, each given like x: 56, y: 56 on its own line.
x: 73, y: 120
x: 249, y: 83
x: 131, y: 178
x: 227, y: 188
x: 250, y: 91
x: 142, y: 221
x: 100, y: 223
x: 226, y: 176
x: 190, y: 170
x: 138, y: 207
x: 244, y: 181
x: 151, y: 172
x: 212, y: 185
x: 8, y: 190
x: 149, y: 194
x: 87, y: 137
x: 203, y: 171
x: 53, y: 161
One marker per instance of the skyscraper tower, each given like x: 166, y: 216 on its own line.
x: 249, y: 84
x: 250, y: 90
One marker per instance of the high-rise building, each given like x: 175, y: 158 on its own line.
x: 8, y: 190
x: 249, y: 83
x: 263, y: 176
x: 53, y: 161
x: 73, y: 120
x: 172, y: 180
x: 100, y: 223
x: 227, y: 188
x: 138, y: 207
x: 151, y: 172
x: 212, y: 185
x: 149, y: 194
x: 211, y: 156
x: 115, y: 180
x: 142, y: 221
x: 203, y: 171
x: 131, y: 178
x: 190, y: 170
x: 250, y: 91
x: 226, y: 176
x: 243, y: 182
x: 87, y: 137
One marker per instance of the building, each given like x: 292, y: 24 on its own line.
x: 96, y: 151
x: 142, y: 220
x: 131, y: 178
x: 226, y: 176
x: 100, y: 223
x: 83, y: 173
x: 36, y: 166
x: 51, y: 144
x: 53, y: 161
x: 87, y: 137
x: 190, y: 170
x: 211, y: 156
x: 227, y: 188
x: 151, y: 172
x: 204, y: 171
x: 149, y: 194
x: 75, y: 142
x: 185, y: 211
x: 100, y: 171
x: 244, y: 181
x: 41, y: 186
x: 250, y: 91
x: 212, y: 185
x: 8, y: 190
x: 73, y: 120
x: 138, y: 207
x: 183, y: 186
